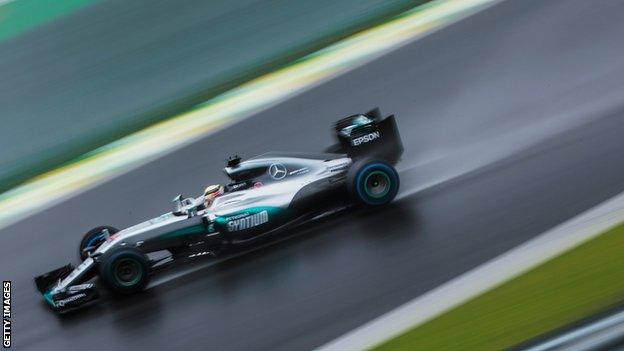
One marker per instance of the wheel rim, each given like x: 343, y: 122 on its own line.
x: 377, y: 184
x: 127, y: 272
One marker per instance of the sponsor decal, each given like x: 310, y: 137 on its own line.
x: 237, y: 186
x: 6, y: 314
x: 198, y: 254
x: 278, y: 171
x: 300, y: 171
x: 339, y: 167
x: 63, y: 302
x: 240, y: 215
x: 366, y: 138
x: 236, y: 223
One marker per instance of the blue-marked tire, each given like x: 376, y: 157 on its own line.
x: 372, y: 183
x: 124, y: 270
x: 93, y: 239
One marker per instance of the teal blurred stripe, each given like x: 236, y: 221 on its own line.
x: 18, y: 16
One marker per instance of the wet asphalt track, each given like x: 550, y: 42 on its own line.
x: 509, y: 67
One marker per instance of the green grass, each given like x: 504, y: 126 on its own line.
x: 19, y: 16
x: 584, y: 281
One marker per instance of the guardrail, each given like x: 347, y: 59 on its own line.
x: 602, y: 334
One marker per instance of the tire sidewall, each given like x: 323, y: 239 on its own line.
x: 357, y: 182
x: 108, y: 265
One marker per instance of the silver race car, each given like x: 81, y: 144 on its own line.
x: 267, y: 195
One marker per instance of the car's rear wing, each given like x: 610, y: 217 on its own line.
x: 370, y: 135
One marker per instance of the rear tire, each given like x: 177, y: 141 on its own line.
x: 124, y: 270
x: 93, y: 238
x: 372, y: 182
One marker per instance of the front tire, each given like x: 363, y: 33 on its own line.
x: 93, y: 239
x: 372, y: 182
x: 124, y: 270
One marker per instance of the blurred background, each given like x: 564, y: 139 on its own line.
x: 94, y: 71
x: 511, y: 114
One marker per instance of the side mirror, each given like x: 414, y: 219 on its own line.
x: 177, y: 205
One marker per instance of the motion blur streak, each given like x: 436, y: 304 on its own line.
x: 141, y: 147
x: 500, y: 70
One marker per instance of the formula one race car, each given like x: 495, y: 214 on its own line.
x: 267, y: 195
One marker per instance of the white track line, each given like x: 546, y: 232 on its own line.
x: 487, y: 276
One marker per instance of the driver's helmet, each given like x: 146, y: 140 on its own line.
x: 211, y: 193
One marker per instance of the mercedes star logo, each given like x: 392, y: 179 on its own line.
x: 277, y: 171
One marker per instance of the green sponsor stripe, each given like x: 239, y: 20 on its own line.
x: 196, y: 229
x: 582, y: 282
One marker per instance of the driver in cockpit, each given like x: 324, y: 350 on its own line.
x: 211, y: 193
x: 214, y: 191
